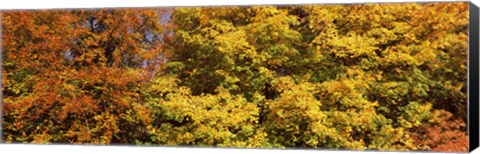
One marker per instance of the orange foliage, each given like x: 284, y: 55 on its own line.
x: 444, y: 134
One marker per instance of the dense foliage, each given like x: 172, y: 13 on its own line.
x: 363, y: 76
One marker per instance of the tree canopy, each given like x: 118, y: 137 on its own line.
x: 352, y: 76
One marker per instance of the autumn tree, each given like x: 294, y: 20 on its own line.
x: 72, y: 76
x: 381, y: 63
x: 357, y: 76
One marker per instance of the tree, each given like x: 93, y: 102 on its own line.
x: 363, y: 76
x: 73, y: 76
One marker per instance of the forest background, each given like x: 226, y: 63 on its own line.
x: 364, y: 76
